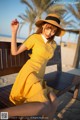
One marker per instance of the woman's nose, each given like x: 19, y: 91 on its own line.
x: 49, y: 32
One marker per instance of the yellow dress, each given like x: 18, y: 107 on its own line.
x: 29, y: 85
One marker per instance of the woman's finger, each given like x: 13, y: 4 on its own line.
x: 14, y: 22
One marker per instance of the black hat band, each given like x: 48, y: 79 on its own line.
x: 53, y: 18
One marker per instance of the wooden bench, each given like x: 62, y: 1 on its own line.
x: 61, y: 81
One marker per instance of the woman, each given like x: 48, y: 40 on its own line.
x: 29, y: 87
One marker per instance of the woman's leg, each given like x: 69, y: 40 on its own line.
x: 53, y: 105
x: 35, y: 108
x: 26, y: 109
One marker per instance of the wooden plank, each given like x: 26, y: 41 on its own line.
x: 4, y: 96
x: 63, y: 82
x: 11, y: 64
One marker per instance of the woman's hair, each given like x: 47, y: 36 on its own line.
x: 39, y: 30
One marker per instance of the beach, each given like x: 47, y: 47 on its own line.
x: 68, y: 109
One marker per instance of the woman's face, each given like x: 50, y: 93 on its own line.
x: 49, y: 30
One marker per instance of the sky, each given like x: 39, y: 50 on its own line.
x: 9, y: 10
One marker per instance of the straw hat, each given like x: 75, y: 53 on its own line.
x: 54, y: 20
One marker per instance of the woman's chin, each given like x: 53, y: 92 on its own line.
x: 47, y: 37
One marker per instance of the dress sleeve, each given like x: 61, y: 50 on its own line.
x: 29, y: 42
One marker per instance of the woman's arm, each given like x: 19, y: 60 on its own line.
x: 14, y: 49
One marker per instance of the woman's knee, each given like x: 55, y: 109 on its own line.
x: 53, y: 100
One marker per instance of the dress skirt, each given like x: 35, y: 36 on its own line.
x: 28, y: 86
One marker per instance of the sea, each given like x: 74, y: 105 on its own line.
x: 9, y: 36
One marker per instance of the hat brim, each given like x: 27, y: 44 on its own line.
x: 60, y: 32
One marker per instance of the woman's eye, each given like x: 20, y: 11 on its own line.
x: 47, y: 28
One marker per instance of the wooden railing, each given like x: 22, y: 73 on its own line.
x: 8, y: 63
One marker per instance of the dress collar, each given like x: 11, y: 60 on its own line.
x: 45, y: 40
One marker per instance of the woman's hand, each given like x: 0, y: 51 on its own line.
x: 14, y: 25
